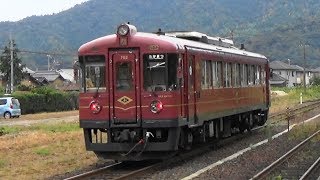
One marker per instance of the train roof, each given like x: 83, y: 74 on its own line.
x: 178, y: 40
x: 222, y: 45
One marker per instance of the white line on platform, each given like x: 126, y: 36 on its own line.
x: 239, y: 153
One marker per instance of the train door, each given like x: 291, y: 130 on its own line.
x: 124, y: 100
x: 192, y: 105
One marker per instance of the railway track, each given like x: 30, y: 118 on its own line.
x: 296, y: 111
x: 141, y: 169
x: 127, y: 170
x: 117, y: 171
x: 300, y: 162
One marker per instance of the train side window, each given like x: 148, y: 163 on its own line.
x: 203, y: 74
x: 93, y: 73
x: 228, y: 74
x: 208, y: 75
x: 214, y: 74
x: 219, y: 74
x: 245, y: 75
x: 237, y: 75
x: 263, y: 76
x: 206, y: 71
x: 250, y: 75
x: 258, y: 74
x: 225, y: 65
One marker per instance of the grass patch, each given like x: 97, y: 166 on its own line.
x: 43, y: 152
x: 2, y: 163
x: 53, y: 128
x: 279, y: 103
x: 60, y: 127
x: 9, y: 130
x: 303, y: 131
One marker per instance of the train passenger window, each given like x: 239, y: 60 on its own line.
x: 245, y: 75
x: 206, y: 80
x: 123, y: 76
x: 208, y: 74
x: 93, y: 73
x: 258, y: 71
x: 203, y: 75
x: 160, y: 72
x: 263, y: 76
x: 237, y: 75
x: 250, y: 75
x: 217, y: 82
x: 228, y: 74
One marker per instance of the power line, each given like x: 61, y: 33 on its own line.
x: 45, y: 52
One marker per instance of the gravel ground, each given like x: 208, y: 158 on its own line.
x: 298, y: 164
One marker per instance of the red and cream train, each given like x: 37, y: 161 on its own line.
x: 147, y: 95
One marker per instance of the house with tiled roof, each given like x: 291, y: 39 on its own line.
x: 316, y: 72
x: 284, y: 70
x: 309, y: 74
x: 54, y: 78
x: 278, y: 81
x: 286, y: 74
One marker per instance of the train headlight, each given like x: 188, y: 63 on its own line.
x: 156, y: 106
x: 95, y: 107
x: 123, y: 30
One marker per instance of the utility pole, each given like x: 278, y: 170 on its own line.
x: 11, y: 52
x: 304, y: 68
x: 48, y: 61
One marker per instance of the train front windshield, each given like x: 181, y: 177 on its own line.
x: 93, y: 73
x: 160, y: 72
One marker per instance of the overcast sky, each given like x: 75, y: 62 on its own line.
x: 15, y: 10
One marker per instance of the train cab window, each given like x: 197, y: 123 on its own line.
x: 160, y: 72
x: 93, y: 73
x: 123, y: 76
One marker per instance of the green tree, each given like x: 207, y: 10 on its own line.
x: 315, y: 81
x: 5, y: 65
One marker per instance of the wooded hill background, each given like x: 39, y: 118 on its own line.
x: 275, y: 28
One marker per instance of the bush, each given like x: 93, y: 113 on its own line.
x: 23, y: 87
x: 45, y: 99
x: 315, y: 81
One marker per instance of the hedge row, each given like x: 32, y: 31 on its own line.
x: 50, y: 101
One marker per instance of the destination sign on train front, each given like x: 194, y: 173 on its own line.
x: 156, y: 56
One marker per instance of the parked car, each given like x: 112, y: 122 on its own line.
x: 9, y: 107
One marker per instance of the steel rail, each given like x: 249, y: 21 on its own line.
x: 262, y: 174
x: 310, y: 170
x: 93, y: 172
x: 298, y: 110
x: 136, y: 172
